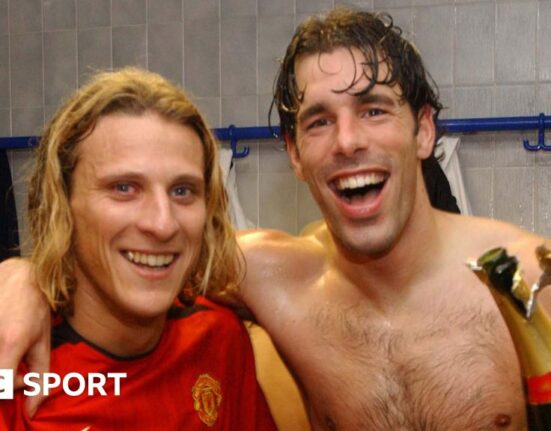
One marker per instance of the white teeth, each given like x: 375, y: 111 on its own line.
x: 361, y: 180
x: 153, y: 260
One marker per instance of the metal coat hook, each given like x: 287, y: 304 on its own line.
x: 541, y: 137
x: 233, y: 142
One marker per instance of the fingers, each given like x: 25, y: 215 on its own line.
x: 38, y: 360
x: 32, y: 404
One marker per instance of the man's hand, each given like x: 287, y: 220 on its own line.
x: 24, y: 323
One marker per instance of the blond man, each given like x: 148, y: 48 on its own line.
x: 128, y: 216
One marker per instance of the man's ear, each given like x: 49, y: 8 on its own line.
x: 426, y: 133
x: 294, y: 156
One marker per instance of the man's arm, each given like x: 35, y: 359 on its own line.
x: 24, y: 322
x: 278, y: 266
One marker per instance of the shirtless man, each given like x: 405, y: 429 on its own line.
x: 376, y: 314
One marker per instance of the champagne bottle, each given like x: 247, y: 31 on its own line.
x: 529, y: 325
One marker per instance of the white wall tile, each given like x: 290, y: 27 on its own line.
x: 514, y: 100
x: 274, y: 32
x: 474, y: 43
x: 5, y: 100
x: 60, y: 65
x: 166, y: 58
x: 241, y: 111
x: 437, y: 52
x: 543, y: 201
x: 273, y: 157
x: 201, y: 9
x: 516, y: 41
x: 25, y: 16
x: 278, y: 201
x: 4, y: 19
x: 276, y: 7
x: 479, y: 184
x: 477, y: 150
x: 59, y: 14
x: 128, y: 12
x: 514, y: 196
x: 238, y: 56
x: 202, y: 72
x: 247, y: 190
x: 93, y: 13
x: 474, y: 102
x: 5, y: 122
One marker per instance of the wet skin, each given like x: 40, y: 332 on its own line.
x: 376, y: 313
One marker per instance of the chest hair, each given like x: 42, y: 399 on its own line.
x: 445, y: 371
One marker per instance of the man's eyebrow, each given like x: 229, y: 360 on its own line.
x: 137, y: 175
x: 371, y: 97
x: 312, y: 110
x: 109, y: 176
x: 360, y: 99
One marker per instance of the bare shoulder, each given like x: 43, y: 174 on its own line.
x: 481, y: 233
x: 524, y: 245
x: 274, y: 246
x: 476, y: 235
x: 276, y: 260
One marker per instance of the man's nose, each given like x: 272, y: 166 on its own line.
x: 349, y: 137
x: 158, y: 218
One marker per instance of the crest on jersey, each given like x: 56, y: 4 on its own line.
x: 207, y: 397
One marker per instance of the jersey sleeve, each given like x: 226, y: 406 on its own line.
x: 11, y: 414
x: 6, y: 415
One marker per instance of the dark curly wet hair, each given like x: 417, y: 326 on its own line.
x: 377, y: 38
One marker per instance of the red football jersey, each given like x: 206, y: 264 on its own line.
x: 201, y: 376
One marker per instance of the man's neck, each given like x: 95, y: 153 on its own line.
x: 412, y: 255
x: 118, y: 335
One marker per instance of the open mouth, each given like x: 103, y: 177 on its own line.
x: 147, y: 260
x: 360, y: 188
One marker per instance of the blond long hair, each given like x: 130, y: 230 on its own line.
x: 132, y: 91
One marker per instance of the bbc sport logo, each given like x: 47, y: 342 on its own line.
x: 72, y: 384
x: 6, y: 384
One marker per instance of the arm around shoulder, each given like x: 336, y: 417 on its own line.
x: 24, y: 319
x: 275, y: 259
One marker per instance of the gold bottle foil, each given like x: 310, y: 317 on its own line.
x: 529, y: 325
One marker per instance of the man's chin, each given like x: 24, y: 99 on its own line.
x: 361, y: 243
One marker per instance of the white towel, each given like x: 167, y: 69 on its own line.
x: 237, y: 215
x: 450, y: 165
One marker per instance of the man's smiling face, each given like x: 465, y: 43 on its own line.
x: 359, y: 153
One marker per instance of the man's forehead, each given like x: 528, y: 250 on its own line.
x: 350, y: 64
x: 344, y: 71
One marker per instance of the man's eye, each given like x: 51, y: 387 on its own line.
x: 123, y: 187
x: 373, y: 112
x: 318, y: 123
x: 181, y: 191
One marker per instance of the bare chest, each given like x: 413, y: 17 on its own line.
x: 454, y: 371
